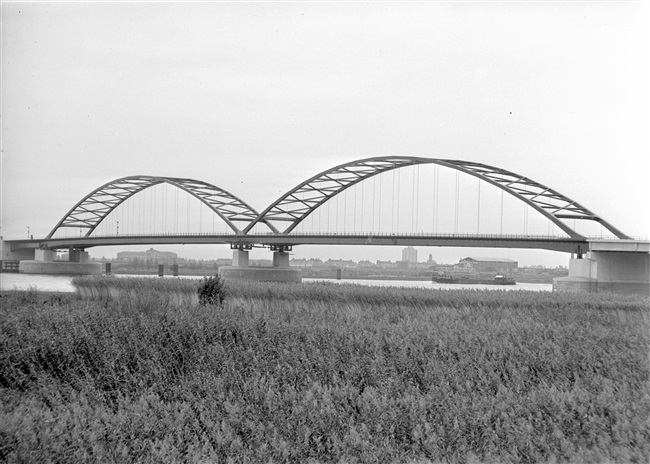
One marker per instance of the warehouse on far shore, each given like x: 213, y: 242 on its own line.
x: 498, y: 265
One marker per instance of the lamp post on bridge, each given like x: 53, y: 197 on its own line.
x: 118, y: 227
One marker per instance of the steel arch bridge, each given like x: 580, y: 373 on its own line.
x: 98, y: 204
x: 298, y: 203
x: 315, y: 191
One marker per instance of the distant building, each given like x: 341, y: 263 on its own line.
x: 386, y: 264
x: 340, y: 263
x: 160, y: 257
x: 501, y: 265
x: 410, y: 255
x: 365, y: 263
x: 302, y: 262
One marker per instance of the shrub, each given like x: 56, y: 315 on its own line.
x: 211, y: 290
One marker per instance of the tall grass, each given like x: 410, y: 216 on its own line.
x: 138, y: 293
x: 327, y: 373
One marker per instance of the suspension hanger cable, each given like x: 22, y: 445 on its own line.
x: 526, y: 215
x: 437, y: 198
x: 311, y: 215
x: 399, y: 179
x: 345, y: 207
x: 501, y: 229
x: 413, y: 202
x: 392, y: 203
x: 456, y: 206
x: 417, y: 198
x: 354, y: 216
x: 374, y: 193
x: 363, y: 199
x: 433, y: 206
x: 478, y: 213
x: 379, y: 209
x: 140, y: 213
x: 328, y: 216
x: 336, y: 222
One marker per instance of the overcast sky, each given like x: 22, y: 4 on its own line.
x: 257, y: 97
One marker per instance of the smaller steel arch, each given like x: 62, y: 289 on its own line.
x: 295, y: 205
x: 94, y: 207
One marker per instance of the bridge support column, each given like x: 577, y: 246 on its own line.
x: 280, y: 272
x: 281, y: 259
x: 46, y: 256
x: 78, y: 256
x: 607, y: 271
x: 239, y: 258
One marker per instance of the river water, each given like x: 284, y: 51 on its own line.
x: 61, y: 283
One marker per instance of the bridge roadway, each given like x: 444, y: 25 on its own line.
x: 563, y: 244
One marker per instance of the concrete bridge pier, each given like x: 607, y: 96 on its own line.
x: 613, y: 266
x: 281, y: 259
x: 239, y: 258
x: 44, y: 262
x: 241, y: 270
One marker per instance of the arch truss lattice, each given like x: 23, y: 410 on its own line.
x: 96, y: 206
x: 295, y: 205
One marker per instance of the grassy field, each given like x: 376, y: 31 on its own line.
x: 322, y: 373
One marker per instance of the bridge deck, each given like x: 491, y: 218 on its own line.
x: 562, y: 244
x: 634, y: 246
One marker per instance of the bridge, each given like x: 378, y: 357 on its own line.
x: 365, y: 202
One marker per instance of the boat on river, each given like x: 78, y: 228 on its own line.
x: 449, y: 279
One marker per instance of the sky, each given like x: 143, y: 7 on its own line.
x: 257, y: 97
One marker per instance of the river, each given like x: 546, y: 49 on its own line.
x: 61, y: 283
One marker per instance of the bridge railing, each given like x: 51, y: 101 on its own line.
x: 355, y: 234
x: 339, y: 234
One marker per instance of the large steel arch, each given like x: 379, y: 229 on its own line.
x: 98, y: 204
x: 295, y: 205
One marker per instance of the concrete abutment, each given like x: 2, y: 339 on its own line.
x: 44, y: 262
x: 607, y: 271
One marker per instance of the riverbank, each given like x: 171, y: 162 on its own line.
x: 327, y: 372
x: 63, y: 283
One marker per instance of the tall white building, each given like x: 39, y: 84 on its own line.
x: 410, y: 255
